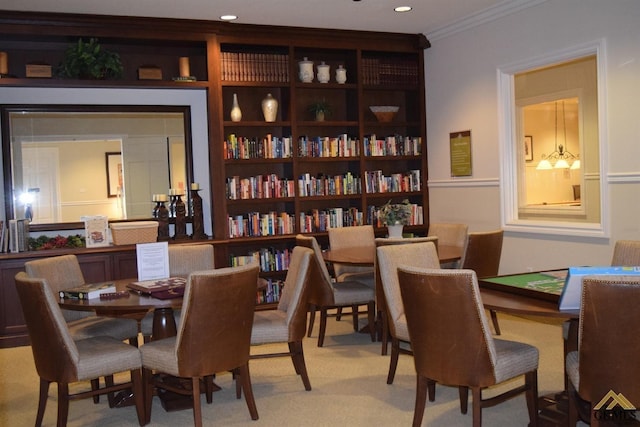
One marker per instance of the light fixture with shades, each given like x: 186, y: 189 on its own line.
x: 561, y: 158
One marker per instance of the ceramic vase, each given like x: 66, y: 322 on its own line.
x: 341, y: 75
x: 236, y: 113
x: 324, y: 74
x: 269, y: 108
x: 395, y: 231
x: 305, y: 70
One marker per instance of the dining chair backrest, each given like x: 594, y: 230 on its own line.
x: 460, y: 350
x: 59, y: 272
x: 214, y: 334
x: 606, y: 344
x: 54, y: 352
x: 356, y: 238
x: 185, y: 259
x: 295, y: 292
x: 450, y: 234
x: 321, y: 292
x: 390, y: 258
x: 482, y: 252
x: 626, y: 253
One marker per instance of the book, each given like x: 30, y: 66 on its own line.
x: 88, y: 290
x: 152, y: 287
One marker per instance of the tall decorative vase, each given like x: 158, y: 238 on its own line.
x: 395, y: 231
x: 269, y: 108
x: 236, y: 113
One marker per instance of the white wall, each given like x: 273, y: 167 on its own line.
x: 461, y: 93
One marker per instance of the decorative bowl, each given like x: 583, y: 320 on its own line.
x: 384, y: 113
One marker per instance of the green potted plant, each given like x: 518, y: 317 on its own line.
x: 88, y: 60
x: 395, y: 216
x: 320, y: 109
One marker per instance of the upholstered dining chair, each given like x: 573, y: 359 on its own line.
x: 62, y: 272
x: 482, y: 253
x: 214, y: 335
x: 381, y: 302
x: 389, y: 258
x: 452, y: 343
x: 326, y: 295
x: 604, y: 368
x: 61, y: 359
x: 450, y: 234
x: 288, y: 323
x: 356, y: 238
x: 183, y: 260
x: 626, y: 253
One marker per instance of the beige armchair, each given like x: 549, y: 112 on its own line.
x: 214, y: 335
x: 450, y: 234
x: 356, y: 238
x: 608, y: 350
x: 482, y: 253
x: 389, y: 258
x: 626, y: 253
x: 288, y: 323
x: 61, y: 359
x: 326, y: 295
x: 452, y: 343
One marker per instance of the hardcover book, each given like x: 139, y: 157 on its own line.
x: 88, y: 290
x: 153, y: 287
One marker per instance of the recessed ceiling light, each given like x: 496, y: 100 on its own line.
x: 402, y: 8
x: 228, y: 17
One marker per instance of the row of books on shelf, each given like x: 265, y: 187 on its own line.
x: 323, y: 185
x: 377, y: 182
x: 255, y: 224
x: 376, y: 219
x: 396, y: 145
x: 389, y: 71
x: 326, y: 146
x: 14, y: 235
x: 270, y: 259
x: 268, y: 147
x: 255, y: 67
x: 265, y: 186
x: 271, y: 293
x: 320, y: 220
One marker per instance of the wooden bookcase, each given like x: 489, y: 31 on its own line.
x: 252, y: 61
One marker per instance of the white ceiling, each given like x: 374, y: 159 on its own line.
x: 426, y: 17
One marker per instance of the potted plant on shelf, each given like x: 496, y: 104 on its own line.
x: 395, y: 216
x: 320, y: 109
x: 88, y: 60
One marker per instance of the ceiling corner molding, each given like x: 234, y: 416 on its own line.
x: 495, y: 12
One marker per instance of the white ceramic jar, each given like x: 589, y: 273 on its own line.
x: 306, y: 70
x: 324, y: 74
x: 341, y: 75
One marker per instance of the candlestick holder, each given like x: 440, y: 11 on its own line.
x: 196, y: 212
x: 163, y: 222
x: 181, y: 218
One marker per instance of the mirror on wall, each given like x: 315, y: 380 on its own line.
x: 65, y: 162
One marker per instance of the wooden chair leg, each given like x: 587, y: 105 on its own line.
x: 312, y: 318
x: 371, y: 318
x: 494, y: 320
x: 432, y: 390
x: 108, y: 381
x: 323, y: 326
x: 393, y: 364
x: 421, y: 400
x: 95, y: 385
x: 463, y: 392
x: 63, y: 404
x: 354, y: 315
x: 147, y: 380
x: 138, y: 395
x: 476, y: 396
x: 42, y: 401
x: 248, y: 390
x: 297, y: 357
x: 208, y: 388
x: 238, y: 383
x: 573, y: 405
x: 339, y: 314
x: 384, y: 326
x: 195, y: 395
x: 531, y: 381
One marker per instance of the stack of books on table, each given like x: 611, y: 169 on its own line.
x: 88, y: 290
x: 171, y: 287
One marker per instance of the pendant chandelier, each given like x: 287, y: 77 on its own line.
x: 561, y: 158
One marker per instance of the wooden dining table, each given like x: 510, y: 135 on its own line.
x: 446, y: 253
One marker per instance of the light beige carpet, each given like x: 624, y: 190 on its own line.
x: 348, y: 376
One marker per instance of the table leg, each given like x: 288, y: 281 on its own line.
x: 164, y: 324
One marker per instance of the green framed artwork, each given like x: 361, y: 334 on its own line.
x: 460, y: 149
